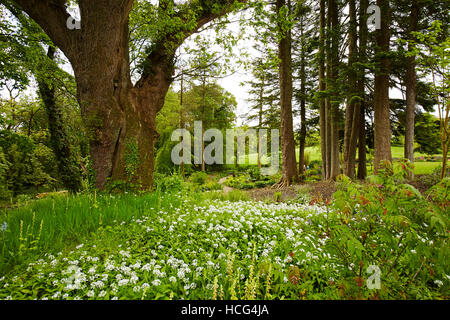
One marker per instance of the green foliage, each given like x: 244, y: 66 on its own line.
x: 238, y: 249
x: 239, y: 182
x: 249, y: 179
x: 440, y: 195
x: 163, y: 161
x: 198, y: 177
x: 119, y: 187
x: 277, y: 196
x: 254, y: 173
x: 132, y: 160
x: 385, y: 222
x: 433, y: 178
x: 4, y: 165
x: 426, y: 133
x: 232, y: 196
x: 169, y: 183
x: 59, y: 222
x: 23, y: 164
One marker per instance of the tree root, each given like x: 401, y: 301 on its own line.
x: 282, y: 184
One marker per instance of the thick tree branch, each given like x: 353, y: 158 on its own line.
x: 169, y: 43
x: 52, y: 16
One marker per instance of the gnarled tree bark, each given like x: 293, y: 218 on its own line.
x: 114, y: 110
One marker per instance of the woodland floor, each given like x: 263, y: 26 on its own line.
x: 320, y: 189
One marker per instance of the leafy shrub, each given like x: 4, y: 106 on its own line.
x: 440, y: 194
x: 198, y: 177
x: 4, y: 192
x: 388, y: 223
x: 119, y: 186
x: 23, y: 164
x: 239, y: 182
x: 169, y: 184
x: 262, y: 184
x: 212, y: 185
x: 254, y: 173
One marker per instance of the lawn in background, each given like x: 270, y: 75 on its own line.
x: 313, y: 154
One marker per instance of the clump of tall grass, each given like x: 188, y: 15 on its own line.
x: 59, y: 223
x: 233, y: 195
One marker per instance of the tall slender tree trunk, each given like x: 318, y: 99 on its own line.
x: 301, y: 162
x: 362, y: 152
x: 182, y: 120
x: 332, y: 81
x: 260, y: 119
x: 329, y: 97
x: 411, y: 90
x: 382, y: 121
x: 322, y: 88
x: 289, y: 163
x: 363, y: 31
x: 353, y: 101
x: 203, y: 168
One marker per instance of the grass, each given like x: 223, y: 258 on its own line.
x: 61, y: 222
x: 397, y: 152
x: 426, y: 167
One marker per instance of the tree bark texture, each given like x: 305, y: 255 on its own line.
x: 382, y: 121
x: 411, y: 91
x: 289, y: 163
x: 353, y: 100
x: 114, y: 111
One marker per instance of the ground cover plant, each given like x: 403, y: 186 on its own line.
x: 179, y: 246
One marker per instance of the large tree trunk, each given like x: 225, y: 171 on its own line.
x: 289, y: 165
x: 115, y: 111
x: 362, y: 152
x: 322, y: 88
x: 411, y: 91
x: 353, y: 104
x: 382, y: 121
x: 333, y: 60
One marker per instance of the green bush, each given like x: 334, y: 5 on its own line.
x: 254, y: 173
x: 169, y: 184
x: 262, y: 184
x: 198, y: 177
x: 389, y: 224
x: 4, y: 191
x: 24, y: 163
x: 212, y: 185
x: 119, y: 186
